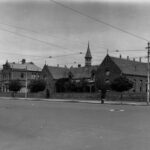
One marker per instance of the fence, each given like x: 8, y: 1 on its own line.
x: 110, y: 96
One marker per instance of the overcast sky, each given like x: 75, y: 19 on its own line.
x: 44, y: 28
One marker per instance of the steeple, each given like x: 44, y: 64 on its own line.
x: 88, y: 57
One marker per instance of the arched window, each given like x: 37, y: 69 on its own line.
x: 93, y: 74
x: 146, y: 87
x: 107, y: 73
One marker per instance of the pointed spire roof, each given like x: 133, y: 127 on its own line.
x: 88, y: 53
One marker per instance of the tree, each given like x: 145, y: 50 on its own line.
x: 62, y: 85
x: 37, y: 85
x: 15, y: 86
x: 121, y: 84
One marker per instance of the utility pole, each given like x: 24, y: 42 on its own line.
x: 26, y: 83
x: 148, y: 73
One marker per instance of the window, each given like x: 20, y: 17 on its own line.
x: 107, y: 73
x: 107, y: 81
x: 33, y: 76
x: 141, y: 84
x: 93, y: 74
x: 22, y: 75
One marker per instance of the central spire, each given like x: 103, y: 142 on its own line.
x: 88, y: 56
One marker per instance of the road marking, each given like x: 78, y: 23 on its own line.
x: 116, y: 110
x: 122, y: 110
x: 111, y: 110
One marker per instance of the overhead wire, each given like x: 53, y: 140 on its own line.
x: 58, y: 46
x: 99, y: 21
x: 28, y: 30
x: 32, y: 38
x: 35, y: 32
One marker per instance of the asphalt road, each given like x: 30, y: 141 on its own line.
x: 41, y: 125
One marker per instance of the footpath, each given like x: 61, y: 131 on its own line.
x: 80, y: 101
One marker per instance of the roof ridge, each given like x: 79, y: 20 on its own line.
x: 129, y: 60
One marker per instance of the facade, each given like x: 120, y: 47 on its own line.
x: 51, y: 74
x: 24, y: 72
x: 112, y: 67
x: 73, y: 74
x: 98, y: 75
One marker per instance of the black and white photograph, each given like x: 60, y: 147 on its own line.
x: 74, y: 74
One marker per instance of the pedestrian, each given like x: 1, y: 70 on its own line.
x: 103, y: 95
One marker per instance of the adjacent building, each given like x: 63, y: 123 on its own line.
x: 112, y: 67
x: 24, y: 71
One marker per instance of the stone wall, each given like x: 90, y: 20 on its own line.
x: 127, y: 96
x: 110, y: 96
x: 81, y: 96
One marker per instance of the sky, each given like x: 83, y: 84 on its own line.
x: 43, y: 31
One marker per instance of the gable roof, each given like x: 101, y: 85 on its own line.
x: 78, y: 73
x: 58, y: 72
x: 130, y: 67
x: 29, y: 66
x: 82, y: 72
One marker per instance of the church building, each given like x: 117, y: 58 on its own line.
x: 76, y: 75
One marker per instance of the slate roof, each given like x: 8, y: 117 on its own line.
x: 58, y: 72
x: 82, y: 72
x: 78, y: 73
x: 29, y: 66
x: 131, y: 67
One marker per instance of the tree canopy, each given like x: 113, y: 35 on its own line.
x: 15, y: 85
x: 37, y: 85
x: 121, y: 84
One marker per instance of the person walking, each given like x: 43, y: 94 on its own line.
x: 103, y: 95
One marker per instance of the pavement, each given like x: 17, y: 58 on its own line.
x: 82, y: 101
x: 37, y: 124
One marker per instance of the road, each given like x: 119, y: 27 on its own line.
x: 41, y: 125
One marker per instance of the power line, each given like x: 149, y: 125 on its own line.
x: 99, y: 21
x: 128, y: 50
x: 28, y: 37
x: 66, y: 55
x: 22, y: 54
x: 27, y: 30
x: 33, y: 31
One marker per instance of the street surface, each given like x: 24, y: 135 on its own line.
x: 42, y: 125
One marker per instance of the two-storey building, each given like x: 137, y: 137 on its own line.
x: 24, y: 72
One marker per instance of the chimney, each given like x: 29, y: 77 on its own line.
x: 133, y: 59
x: 57, y: 65
x: 79, y: 65
x: 23, y: 61
x: 120, y: 56
x: 140, y: 59
x: 127, y: 57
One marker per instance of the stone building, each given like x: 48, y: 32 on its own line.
x: 87, y: 73
x: 112, y: 67
x: 51, y: 74
x: 24, y: 71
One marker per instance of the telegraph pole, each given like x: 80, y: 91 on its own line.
x: 26, y: 83
x: 148, y: 73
